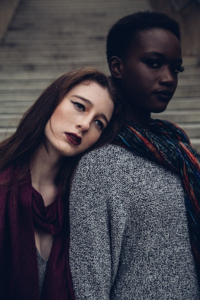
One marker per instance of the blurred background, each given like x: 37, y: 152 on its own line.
x: 42, y: 39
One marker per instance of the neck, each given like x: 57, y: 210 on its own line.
x: 137, y: 116
x: 44, y: 169
x: 133, y: 113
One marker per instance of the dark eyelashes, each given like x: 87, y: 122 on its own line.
x: 152, y: 62
x: 81, y: 108
x: 181, y: 69
x: 178, y: 69
x: 155, y: 63
x: 79, y: 105
x: 100, y: 125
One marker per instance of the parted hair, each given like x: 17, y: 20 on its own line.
x: 21, y: 147
x: 125, y: 31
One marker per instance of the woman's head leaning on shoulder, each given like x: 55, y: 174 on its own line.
x: 80, y: 110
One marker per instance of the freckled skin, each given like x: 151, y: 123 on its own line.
x: 73, y: 115
x: 150, y: 65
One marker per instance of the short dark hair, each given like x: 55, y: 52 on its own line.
x: 126, y: 30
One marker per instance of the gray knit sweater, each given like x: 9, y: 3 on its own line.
x: 129, y: 231
x: 42, y: 266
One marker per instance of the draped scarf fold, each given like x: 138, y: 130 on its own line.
x: 168, y: 145
x: 22, y: 208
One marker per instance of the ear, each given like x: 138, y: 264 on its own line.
x: 116, y: 66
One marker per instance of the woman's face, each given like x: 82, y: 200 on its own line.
x: 79, y: 120
x: 150, y: 71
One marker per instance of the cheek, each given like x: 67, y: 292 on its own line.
x: 48, y: 130
x: 58, y: 115
x: 92, y: 138
x: 60, y: 119
x: 54, y: 126
x: 133, y: 79
x: 95, y: 137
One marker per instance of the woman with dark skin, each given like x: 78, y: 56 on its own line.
x: 135, y: 230
x: 78, y: 111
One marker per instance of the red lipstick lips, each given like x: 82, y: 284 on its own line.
x: 73, y: 138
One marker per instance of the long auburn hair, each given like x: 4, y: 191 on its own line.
x: 21, y: 147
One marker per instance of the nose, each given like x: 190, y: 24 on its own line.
x: 168, y: 78
x: 84, y: 124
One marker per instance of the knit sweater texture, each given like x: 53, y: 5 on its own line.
x: 42, y: 266
x: 129, y: 232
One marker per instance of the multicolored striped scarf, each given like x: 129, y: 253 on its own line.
x: 168, y: 145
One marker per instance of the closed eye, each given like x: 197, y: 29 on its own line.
x: 79, y: 106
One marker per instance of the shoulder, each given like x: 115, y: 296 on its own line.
x: 111, y: 161
x: 102, y: 166
x: 101, y: 183
x: 109, y: 155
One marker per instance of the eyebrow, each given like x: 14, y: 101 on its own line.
x: 91, y: 104
x: 162, y: 56
x: 84, y: 99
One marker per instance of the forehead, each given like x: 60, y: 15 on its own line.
x: 92, y: 91
x: 156, y: 40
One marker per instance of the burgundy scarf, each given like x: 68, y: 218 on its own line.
x: 20, y: 209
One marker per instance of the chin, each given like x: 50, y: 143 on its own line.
x: 158, y: 110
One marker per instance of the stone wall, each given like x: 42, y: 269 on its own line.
x: 7, y: 9
x: 189, y: 20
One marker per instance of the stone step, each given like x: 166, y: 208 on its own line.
x: 4, y: 133
x: 176, y: 116
x: 9, y: 120
x: 92, y: 59
x: 182, y: 103
x: 51, y: 40
x: 13, y: 109
x: 52, y: 67
x: 34, y: 75
x: 187, y: 91
x: 30, y: 84
x: 27, y: 95
x: 86, y: 4
x: 26, y: 70
x: 9, y: 104
x: 192, y: 129
x: 44, y: 53
x: 29, y: 75
x: 16, y: 83
x: 196, y: 144
x: 23, y: 86
x: 28, y: 12
x: 51, y: 75
x: 85, y: 8
x: 21, y: 96
x: 36, y: 34
x: 37, y: 88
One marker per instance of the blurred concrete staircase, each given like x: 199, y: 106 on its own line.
x: 47, y: 38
